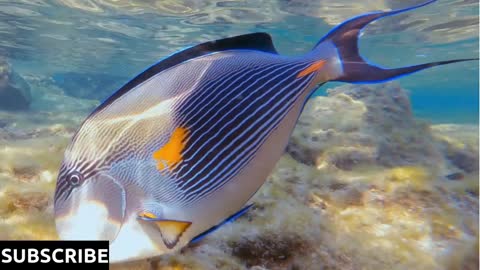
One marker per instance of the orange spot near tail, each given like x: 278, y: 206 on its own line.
x: 171, y: 153
x: 312, y: 68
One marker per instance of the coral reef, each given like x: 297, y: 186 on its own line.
x: 14, y: 91
x: 376, y: 127
x: 458, y: 144
x: 363, y: 185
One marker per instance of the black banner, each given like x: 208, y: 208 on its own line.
x: 54, y: 253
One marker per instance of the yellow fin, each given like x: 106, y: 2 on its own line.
x: 312, y: 68
x: 171, y: 230
x: 171, y: 153
x: 147, y: 215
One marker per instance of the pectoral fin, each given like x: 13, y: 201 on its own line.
x: 170, y: 230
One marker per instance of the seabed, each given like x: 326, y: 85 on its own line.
x: 363, y: 185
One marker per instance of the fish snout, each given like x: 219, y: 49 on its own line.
x: 93, y: 211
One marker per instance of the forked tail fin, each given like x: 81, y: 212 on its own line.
x: 355, y: 69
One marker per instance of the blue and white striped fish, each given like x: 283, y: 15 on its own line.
x: 182, y: 147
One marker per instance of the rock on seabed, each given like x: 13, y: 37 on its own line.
x: 15, y: 92
x: 363, y: 185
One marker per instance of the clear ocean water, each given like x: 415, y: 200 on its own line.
x: 117, y: 39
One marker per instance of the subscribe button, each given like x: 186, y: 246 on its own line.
x: 95, y: 254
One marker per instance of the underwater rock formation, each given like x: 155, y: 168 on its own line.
x: 14, y: 90
x: 458, y: 144
x: 362, y: 186
x: 375, y: 126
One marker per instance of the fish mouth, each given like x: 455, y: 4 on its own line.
x: 94, y: 211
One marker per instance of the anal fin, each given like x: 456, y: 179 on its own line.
x: 214, y: 228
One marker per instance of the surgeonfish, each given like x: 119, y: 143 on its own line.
x: 181, y: 148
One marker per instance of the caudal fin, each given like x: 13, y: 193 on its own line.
x: 355, y: 69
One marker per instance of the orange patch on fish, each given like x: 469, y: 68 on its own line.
x: 312, y: 68
x: 171, y: 153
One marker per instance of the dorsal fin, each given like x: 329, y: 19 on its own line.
x: 255, y: 41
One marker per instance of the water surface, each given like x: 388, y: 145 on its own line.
x: 122, y: 38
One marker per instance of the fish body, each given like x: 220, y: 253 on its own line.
x: 185, y: 151
x: 185, y: 144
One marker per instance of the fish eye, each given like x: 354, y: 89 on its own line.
x: 75, y: 178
